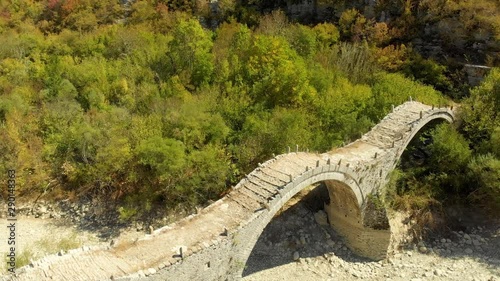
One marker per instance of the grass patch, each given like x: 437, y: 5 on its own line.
x: 44, y: 247
x: 24, y: 258
x: 50, y: 246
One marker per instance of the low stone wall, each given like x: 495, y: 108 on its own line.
x: 211, y: 263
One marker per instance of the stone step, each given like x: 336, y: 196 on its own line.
x: 266, y: 187
x: 259, y: 187
x: 277, y: 175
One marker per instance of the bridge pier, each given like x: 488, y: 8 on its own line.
x: 364, y: 229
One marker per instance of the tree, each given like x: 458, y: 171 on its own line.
x: 278, y: 77
x: 450, y: 154
x: 484, y: 176
x: 480, y: 111
x: 303, y: 40
x: 164, y: 156
x: 327, y: 34
x: 190, y: 52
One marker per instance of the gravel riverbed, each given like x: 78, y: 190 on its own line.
x: 297, y: 245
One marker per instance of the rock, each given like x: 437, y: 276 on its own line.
x: 296, y: 256
x: 438, y: 272
x: 151, y: 271
x: 139, y: 227
x: 468, y: 251
x: 476, y: 243
x: 423, y: 249
x: 443, y: 240
x: 60, y: 253
x: 141, y: 273
x: 466, y: 236
x: 321, y: 218
x: 428, y: 274
x: 494, y: 261
x: 302, y: 240
x: 330, y: 242
x: 42, y: 210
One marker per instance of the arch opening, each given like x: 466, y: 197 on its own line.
x: 430, y: 195
x: 294, y: 228
x: 319, y: 219
x: 415, y: 151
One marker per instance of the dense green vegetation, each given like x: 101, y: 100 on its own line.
x: 455, y: 164
x: 140, y: 105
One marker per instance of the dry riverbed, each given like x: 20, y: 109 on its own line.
x: 299, y: 245
x: 295, y: 246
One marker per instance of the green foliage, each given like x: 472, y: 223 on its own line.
x: 164, y: 156
x: 347, y: 22
x: 327, y: 34
x: 480, y: 111
x: 209, y: 168
x: 344, y: 117
x: 278, y: 76
x: 428, y: 72
x: 24, y: 258
x: 484, y: 175
x: 356, y: 62
x: 393, y: 89
x: 266, y: 133
x: 449, y: 150
x: 127, y: 213
x: 303, y: 40
x: 148, y: 108
x: 453, y: 169
x: 190, y: 52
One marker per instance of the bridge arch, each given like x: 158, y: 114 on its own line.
x: 445, y: 115
x: 350, y: 213
x: 345, y: 212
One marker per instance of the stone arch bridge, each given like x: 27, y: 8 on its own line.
x: 216, y: 243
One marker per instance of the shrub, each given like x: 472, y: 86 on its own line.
x: 484, y: 176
